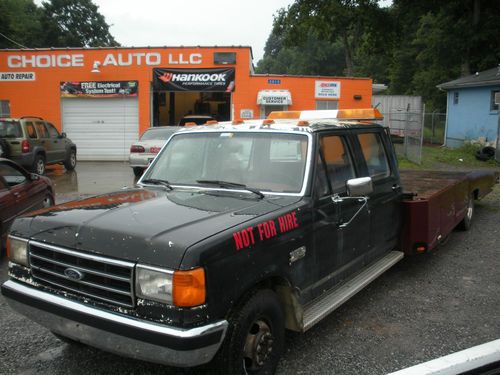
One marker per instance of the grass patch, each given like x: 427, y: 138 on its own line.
x: 434, y: 157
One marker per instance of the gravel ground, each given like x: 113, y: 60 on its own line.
x: 423, y: 308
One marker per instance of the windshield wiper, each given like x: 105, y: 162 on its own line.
x: 228, y: 184
x: 157, y: 181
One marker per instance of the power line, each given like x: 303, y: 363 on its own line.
x: 13, y: 41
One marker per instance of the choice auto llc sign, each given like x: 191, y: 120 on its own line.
x: 194, y: 79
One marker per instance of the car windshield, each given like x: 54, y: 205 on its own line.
x: 267, y: 161
x: 10, y: 129
x: 158, y: 134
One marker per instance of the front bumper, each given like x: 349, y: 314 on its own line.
x: 116, y: 333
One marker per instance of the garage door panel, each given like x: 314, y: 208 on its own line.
x: 102, y: 128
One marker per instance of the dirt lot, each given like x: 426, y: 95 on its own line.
x: 422, y: 308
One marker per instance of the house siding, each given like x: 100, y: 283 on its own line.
x: 471, y: 118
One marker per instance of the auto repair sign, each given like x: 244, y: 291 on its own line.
x: 327, y: 90
x: 220, y: 80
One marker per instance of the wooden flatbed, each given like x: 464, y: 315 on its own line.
x: 436, y: 202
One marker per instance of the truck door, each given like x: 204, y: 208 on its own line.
x: 338, y: 249
x: 384, y: 202
x: 57, y: 142
x: 43, y: 135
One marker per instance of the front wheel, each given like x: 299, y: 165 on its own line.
x: 255, y: 337
x: 138, y: 171
x: 48, y: 201
x: 39, y: 165
x: 70, y: 162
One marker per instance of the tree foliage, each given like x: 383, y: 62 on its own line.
x: 411, y: 46
x: 56, y: 23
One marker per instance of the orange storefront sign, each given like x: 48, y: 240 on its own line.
x: 31, y: 81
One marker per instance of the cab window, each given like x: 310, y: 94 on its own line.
x: 337, y: 164
x: 52, y: 131
x: 375, y: 155
x: 11, y: 175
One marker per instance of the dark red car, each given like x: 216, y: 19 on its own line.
x: 20, y: 192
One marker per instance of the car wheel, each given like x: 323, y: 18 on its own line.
x: 39, y: 165
x: 70, y: 162
x: 4, y: 149
x: 466, y: 222
x: 138, y: 171
x: 48, y: 201
x: 255, y: 337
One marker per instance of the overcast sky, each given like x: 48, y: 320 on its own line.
x: 191, y: 22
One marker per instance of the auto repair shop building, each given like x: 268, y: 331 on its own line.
x: 103, y: 98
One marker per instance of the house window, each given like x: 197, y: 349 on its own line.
x: 455, y: 97
x: 327, y: 104
x: 493, y: 106
x: 4, y: 108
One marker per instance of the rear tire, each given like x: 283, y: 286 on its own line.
x: 255, y: 337
x: 466, y: 222
x: 138, y: 171
x: 4, y: 148
x: 39, y: 165
x: 70, y: 162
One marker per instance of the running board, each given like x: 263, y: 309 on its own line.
x: 333, y: 299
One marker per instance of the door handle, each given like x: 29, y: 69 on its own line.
x: 396, y: 187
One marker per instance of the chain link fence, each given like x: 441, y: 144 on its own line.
x: 434, y: 127
x: 407, y: 133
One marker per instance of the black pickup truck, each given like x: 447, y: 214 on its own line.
x: 235, y: 233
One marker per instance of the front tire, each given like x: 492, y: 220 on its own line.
x: 48, y: 201
x: 39, y: 165
x: 70, y: 162
x: 255, y: 338
x: 138, y: 171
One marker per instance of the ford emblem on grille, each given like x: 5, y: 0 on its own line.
x: 73, y: 274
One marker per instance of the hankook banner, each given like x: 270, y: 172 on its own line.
x: 99, y: 89
x: 220, y: 80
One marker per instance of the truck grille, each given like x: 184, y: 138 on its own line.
x: 89, y: 275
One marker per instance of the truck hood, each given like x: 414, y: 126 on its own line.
x: 151, y: 226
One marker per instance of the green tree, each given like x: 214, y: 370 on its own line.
x: 20, y: 25
x: 75, y: 23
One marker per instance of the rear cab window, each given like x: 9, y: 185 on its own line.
x: 375, y: 155
x: 10, y: 129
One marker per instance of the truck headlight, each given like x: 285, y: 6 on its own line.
x: 154, y: 283
x: 180, y: 288
x: 17, y: 250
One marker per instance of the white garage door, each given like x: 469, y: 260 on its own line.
x: 101, y: 128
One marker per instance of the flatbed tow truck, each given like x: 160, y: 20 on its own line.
x: 236, y: 232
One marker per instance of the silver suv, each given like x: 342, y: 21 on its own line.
x: 34, y: 143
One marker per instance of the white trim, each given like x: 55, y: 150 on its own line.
x: 457, y: 363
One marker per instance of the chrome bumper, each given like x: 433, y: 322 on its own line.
x: 116, y: 333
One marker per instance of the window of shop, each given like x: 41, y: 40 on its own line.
x: 4, y: 108
x: 197, y: 93
x: 327, y: 104
x: 265, y: 110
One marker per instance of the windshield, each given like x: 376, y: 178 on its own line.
x: 10, y: 129
x: 158, y: 134
x: 272, y: 162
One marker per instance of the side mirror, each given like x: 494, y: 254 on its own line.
x: 63, y: 135
x: 359, y: 187
x: 34, y: 177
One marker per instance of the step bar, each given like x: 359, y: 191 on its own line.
x: 332, y: 300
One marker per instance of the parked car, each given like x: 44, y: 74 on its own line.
x: 34, y: 143
x: 144, y: 151
x: 197, y: 119
x: 20, y: 192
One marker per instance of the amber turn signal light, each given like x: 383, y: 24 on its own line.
x: 189, y: 288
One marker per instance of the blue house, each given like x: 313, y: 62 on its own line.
x: 471, y: 110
